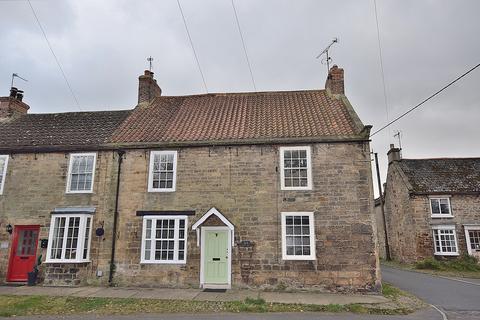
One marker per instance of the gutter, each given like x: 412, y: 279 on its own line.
x: 115, y: 218
x: 437, y: 193
x: 363, y: 136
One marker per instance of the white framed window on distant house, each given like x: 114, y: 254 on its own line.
x: 298, y: 236
x: 81, y: 172
x: 296, y: 168
x: 3, y: 171
x: 445, y: 240
x: 69, y: 238
x: 164, y: 239
x: 440, y: 207
x: 162, y: 172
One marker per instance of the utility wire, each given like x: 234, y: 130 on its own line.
x: 54, y: 55
x: 244, y: 46
x: 191, y: 44
x: 425, y: 100
x: 381, y: 61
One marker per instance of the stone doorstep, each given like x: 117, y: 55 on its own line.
x: 196, y: 294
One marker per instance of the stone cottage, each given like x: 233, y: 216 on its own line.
x: 432, y: 207
x: 220, y: 190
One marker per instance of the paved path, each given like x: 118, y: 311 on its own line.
x: 459, y: 298
x: 194, y: 294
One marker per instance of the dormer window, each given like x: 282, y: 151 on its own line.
x: 440, y: 207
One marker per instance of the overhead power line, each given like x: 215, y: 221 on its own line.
x: 244, y: 46
x: 54, y: 55
x: 381, y: 60
x: 425, y: 100
x: 191, y: 44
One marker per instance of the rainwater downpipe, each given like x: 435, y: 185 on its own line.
x: 115, y: 218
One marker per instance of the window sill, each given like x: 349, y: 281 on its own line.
x: 446, y: 254
x: 296, y: 188
x: 164, y: 262
x: 67, y: 261
x: 161, y: 190
x: 299, y: 258
x: 78, y: 192
x: 436, y: 216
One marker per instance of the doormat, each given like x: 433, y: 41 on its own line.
x: 214, y: 290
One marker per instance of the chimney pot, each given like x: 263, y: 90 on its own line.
x: 13, y: 92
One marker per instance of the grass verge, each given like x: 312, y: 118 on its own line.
x: 401, y: 299
x: 11, y: 306
x: 464, y: 267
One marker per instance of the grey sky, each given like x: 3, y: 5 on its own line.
x: 103, y: 46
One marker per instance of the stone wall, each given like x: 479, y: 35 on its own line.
x: 241, y: 182
x: 399, y: 217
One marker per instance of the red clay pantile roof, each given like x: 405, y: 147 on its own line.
x: 240, y: 116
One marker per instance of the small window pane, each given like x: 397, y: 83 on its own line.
x: 435, y: 206
x: 444, y: 207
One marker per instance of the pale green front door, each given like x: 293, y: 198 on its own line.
x: 216, y: 257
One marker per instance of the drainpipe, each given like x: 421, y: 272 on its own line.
x: 115, y: 218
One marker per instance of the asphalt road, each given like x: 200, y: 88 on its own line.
x: 459, y: 298
x: 429, y: 314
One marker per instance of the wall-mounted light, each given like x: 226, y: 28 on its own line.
x: 9, y: 228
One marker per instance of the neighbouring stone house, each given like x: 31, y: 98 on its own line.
x: 261, y: 189
x: 432, y: 207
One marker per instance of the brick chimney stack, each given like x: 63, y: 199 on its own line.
x: 12, y: 107
x: 394, y: 154
x: 335, y: 81
x: 148, y: 88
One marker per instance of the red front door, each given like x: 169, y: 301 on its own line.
x: 23, y: 253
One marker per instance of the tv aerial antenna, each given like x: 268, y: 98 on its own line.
x: 15, y: 75
x: 325, y: 52
x: 398, y: 135
x: 150, y: 60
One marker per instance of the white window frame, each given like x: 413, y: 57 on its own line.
x: 153, y: 245
x: 440, y: 215
x: 467, y: 237
x: 150, y: 171
x: 309, y: 167
x: 4, y: 173
x: 81, y: 238
x: 445, y: 227
x: 312, y: 255
x: 69, y: 176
